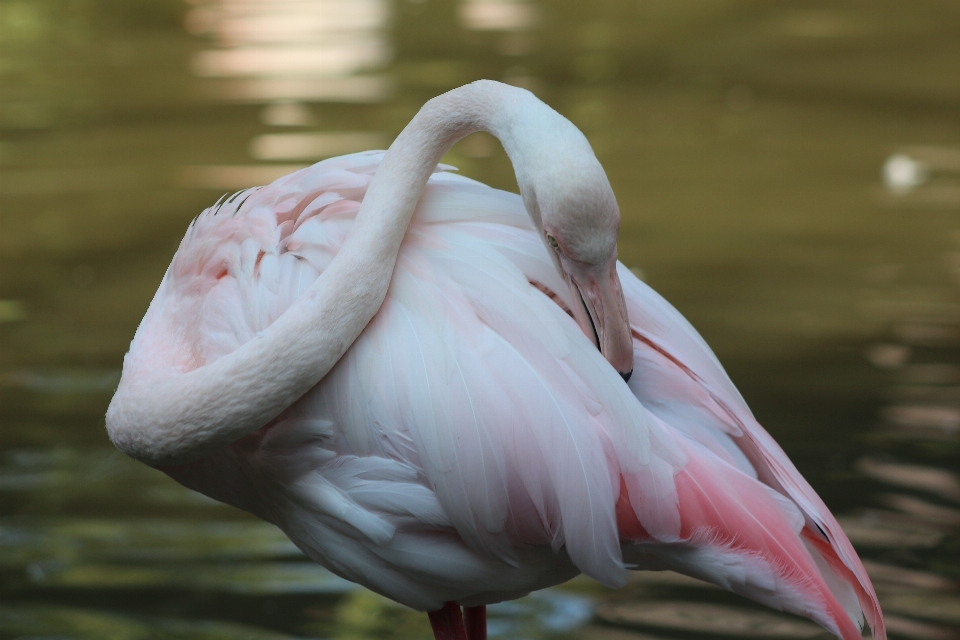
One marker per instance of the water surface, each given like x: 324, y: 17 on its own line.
x: 789, y: 176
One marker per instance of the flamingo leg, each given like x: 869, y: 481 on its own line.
x: 447, y: 623
x: 475, y: 619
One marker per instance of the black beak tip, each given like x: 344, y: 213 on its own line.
x: 626, y: 376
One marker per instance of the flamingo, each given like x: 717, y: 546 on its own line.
x: 425, y: 383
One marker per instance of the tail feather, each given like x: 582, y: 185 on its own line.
x: 680, y: 380
x: 866, y: 598
x: 745, y: 537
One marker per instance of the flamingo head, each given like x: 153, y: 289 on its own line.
x: 579, y: 223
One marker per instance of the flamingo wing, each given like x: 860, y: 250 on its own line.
x: 680, y: 380
x: 472, y: 445
x: 472, y: 394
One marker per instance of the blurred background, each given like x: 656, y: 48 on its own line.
x: 789, y: 177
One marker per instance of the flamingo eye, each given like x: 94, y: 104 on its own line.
x: 553, y: 241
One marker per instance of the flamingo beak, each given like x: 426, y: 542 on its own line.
x: 603, y: 312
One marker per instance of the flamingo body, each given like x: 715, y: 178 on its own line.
x: 472, y: 445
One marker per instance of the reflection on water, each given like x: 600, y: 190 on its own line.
x: 920, y: 428
x: 707, y: 618
x: 936, y: 481
x: 512, y: 21
x: 232, y: 176
x: 936, y: 169
x: 287, y: 55
x: 498, y: 15
x: 789, y: 177
x: 312, y: 50
x: 51, y: 621
x: 289, y: 146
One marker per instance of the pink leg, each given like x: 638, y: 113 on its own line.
x: 476, y: 622
x: 447, y: 623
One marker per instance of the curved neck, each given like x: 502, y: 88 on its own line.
x: 170, y: 418
x: 528, y: 129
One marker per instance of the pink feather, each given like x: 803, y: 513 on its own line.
x: 472, y: 445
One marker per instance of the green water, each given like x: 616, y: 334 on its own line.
x: 789, y: 176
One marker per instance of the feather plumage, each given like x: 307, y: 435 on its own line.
x: 472, y: 445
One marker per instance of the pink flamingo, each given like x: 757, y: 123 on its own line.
x: 389, y: 362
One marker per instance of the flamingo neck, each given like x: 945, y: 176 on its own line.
x: 533, y: 135
x: 166, y: 417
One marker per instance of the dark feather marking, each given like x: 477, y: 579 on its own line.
x: 553, y: 296
x: 250, y: 193
x: 215, y: 209
x: 226, y: 199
